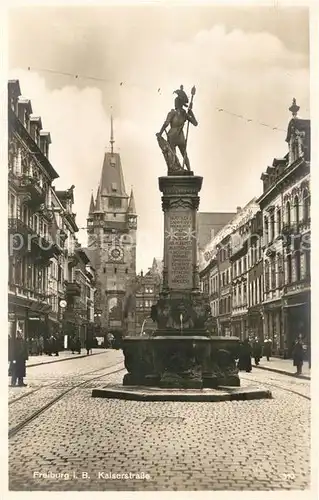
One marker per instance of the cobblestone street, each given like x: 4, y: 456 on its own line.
x: 254, y: 445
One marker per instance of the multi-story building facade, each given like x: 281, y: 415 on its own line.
x: 43, y: 250
x: 112, y: 225
x: 30, y: 246
x: 63, y: 230
x: 223, y: 273
x: 147, y: 294
x: 285, y: 204
x: 241, y: 262
x: 255, y: 278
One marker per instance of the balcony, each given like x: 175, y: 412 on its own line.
x: 30, y: 186
x: 305, y: 224
x: 72, y: 289
x: 44, y: 249
x: 17, y: 226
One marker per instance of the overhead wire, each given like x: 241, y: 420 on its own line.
x: 78, y: 76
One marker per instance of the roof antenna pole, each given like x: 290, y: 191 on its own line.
x: 112, y: 133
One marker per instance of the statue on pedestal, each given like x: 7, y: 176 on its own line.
x: 176, y: 119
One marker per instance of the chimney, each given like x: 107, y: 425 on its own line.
x: 238, y: 209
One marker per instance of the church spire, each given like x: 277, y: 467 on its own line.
x: 92, y: 207
x: 112, y: 134
x: 131, y: 206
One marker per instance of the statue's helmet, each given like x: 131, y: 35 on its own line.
x: 181, y: 96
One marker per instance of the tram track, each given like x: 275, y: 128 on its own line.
x: 46, y: 386
x: 17, y: 428
x: 271, y: 384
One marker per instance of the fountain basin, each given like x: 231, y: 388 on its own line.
x: 181, y: 361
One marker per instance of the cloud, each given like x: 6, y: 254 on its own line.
x: 251, y: 74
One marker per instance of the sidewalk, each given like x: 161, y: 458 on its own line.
x: 63, y: 356
x: 284, y: 366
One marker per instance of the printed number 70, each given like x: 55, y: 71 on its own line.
x: 288, y: 476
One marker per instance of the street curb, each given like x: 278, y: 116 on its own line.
x: 64, y: 359
x: 283, y: 372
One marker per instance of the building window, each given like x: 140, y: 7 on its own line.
x: 260, y: 289
x: 273, y: 273
x: 267, y: 282
x: 126, y: 271
x: 296, y: 209
x: 272, y: 227
x: 288, y: 214
x: 278, y: 221
x: 12, y: 205
x: 289, y: 269
x: 245, y: 294
x: 115, y: 270
x: 280, y: 270
x: 307, y: 263
x: 104, y: 270
x: 266, y: 230
x: 306, y: 205
x: 297, y: 265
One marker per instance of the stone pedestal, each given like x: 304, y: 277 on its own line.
x: 180, y: 202
x: 182, y: 354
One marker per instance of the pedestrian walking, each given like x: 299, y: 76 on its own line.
x: 298, y: 356
x: 88, y: 346
x: 53, y: 346
x: 244, y: 361
x: 41, y: 345
x: 77, y: 346
x: 267, y: 348
x: 257, y: 351
x: 18, y: 354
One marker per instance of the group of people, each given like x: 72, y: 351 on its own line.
x: 254, y: 349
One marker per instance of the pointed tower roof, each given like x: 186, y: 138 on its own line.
x: 98, y: 201
x: 92, y: 206
x: 112, y: 180
x: 131, y: 206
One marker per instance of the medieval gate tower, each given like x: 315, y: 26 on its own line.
x: 112, y: 225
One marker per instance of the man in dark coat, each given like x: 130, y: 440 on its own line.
x: 298, y: 355
x: 257, y: 351
x: 88, y: 346
x: 267, y: 348
x: 18, y: 354
x: 77, y: 345
x: 244, y: 362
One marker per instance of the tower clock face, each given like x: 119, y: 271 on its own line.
x: 116, y: 254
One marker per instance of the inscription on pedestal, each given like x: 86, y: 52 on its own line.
x: 179, y: 241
